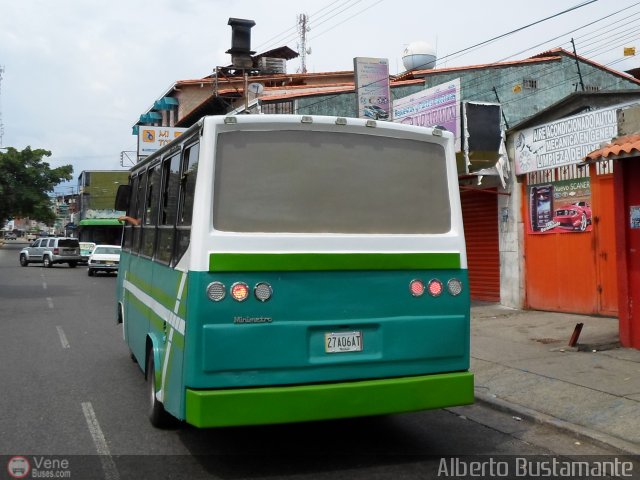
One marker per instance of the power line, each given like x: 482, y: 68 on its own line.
x: 290, y: 34
x: 550, y: 70
x: 349, y: 18
x: 519, y: 29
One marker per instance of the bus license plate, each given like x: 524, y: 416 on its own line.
x: 343, y: 342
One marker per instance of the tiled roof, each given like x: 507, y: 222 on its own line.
x: 434, y: 71
x: 562, y: 51
x: 628, y: 145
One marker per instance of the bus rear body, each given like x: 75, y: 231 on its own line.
x: 321, y: 274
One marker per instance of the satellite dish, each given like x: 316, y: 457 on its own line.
x: 256, y: 88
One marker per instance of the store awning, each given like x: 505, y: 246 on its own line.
x: 165, y: 103
x: 100, y: 222
x: 619, y: 148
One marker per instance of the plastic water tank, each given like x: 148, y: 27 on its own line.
x: 419, y: 56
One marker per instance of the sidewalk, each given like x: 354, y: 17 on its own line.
x: 522, y: 364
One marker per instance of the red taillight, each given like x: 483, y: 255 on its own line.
x: 56, y: 251
x: 240, y: 291
x: 435, y: 287
x: 416, y: 287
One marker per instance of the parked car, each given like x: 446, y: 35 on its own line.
x: 375, y: 112
x: 85, y: 251
x: 10, y: 236
x: 576, y: 216
x: 30, y: 237
x: 104, y: 258
x: 52, y: 250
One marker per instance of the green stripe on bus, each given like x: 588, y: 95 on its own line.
x: 268, y: 405
x: 261, y: 262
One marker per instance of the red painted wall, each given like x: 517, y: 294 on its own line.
x: 627, y: 194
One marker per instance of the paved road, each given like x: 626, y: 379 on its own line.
x: 69, y: 389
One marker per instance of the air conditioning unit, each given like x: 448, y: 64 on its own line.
x: 272, y: 65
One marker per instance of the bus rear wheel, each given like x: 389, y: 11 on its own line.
x: 158, y: 416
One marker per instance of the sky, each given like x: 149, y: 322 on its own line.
x: 78, y: 73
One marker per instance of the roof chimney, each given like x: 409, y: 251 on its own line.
x: 241, y: 42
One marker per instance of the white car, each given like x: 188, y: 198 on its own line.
x: 104, y: 258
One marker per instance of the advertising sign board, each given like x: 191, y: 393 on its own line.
x: 151, y: 139
x: 372, y: 88
x: 564, y: 142
x: 439, y: 105
x: 563, y: 206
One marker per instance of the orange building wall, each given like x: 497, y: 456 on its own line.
x: 574, y: 272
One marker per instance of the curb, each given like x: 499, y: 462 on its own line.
x: 603, y: 439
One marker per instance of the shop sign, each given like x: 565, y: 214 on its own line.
x: 564, y: 142
x: 433, y: 106
x: 151, y: 139
x: 560, y: 207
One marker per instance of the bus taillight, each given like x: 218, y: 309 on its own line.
x: 240, y: 291
x: 416, y: 287
x: 455, y: 286
x: 263, y: 291
x: 216, y: 291
x: 435, y: 287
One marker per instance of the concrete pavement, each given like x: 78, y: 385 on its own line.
x: 522, y: 364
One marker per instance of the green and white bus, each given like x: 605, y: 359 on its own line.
x: 292, y: 268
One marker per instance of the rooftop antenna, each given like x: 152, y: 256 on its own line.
x: 303, y: 51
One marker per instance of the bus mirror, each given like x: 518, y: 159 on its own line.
x: 122, y: 197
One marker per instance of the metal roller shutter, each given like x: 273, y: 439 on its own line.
x: 480, y: 216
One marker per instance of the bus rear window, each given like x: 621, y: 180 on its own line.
x: 329, y: 182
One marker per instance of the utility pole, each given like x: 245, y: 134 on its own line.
x: 577, y: 65
x: 504, y: 117
x: 303, y: 28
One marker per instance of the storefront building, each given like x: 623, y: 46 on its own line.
x: 568, y: 214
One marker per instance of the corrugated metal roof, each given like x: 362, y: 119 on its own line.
x: 621, y: 147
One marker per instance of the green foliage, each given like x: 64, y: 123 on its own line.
x: 25, y: 182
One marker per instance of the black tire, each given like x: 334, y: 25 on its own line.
x: 158, y: 416
x: 90, y: 272
x: 73, y: 264
x: 23, y: 261
x: 46, y: 262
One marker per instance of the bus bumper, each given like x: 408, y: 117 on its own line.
x: 270, y: 405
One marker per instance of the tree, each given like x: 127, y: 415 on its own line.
x: 25, y: 182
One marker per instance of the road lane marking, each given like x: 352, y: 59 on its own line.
x: 50, y: 302
x: 63, y: 338
x: 108, y: 465
x: 44, y: 285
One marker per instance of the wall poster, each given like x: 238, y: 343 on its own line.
x: 562, y: 206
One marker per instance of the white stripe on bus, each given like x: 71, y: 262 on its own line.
x: 157, y: 308
x: 167, y: 353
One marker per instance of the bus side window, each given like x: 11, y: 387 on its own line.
x: 168, y: 208
x: 137, y: 211
x: 185, y: 206
x: 150, y: 218
x: 127, y: 242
